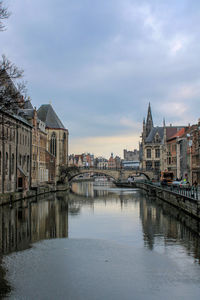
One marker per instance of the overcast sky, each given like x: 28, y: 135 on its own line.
x: 101, y: 61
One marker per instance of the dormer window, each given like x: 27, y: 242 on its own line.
x: 157, y: 138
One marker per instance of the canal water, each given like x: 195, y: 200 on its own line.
x: 98, y: 242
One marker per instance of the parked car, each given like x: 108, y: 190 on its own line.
x: 181, y: 184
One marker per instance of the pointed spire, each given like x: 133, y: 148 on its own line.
x: 164, y: 122
x: 149, y: 121
x: 149, y: 114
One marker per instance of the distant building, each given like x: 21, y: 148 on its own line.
x: 81, y: 160
x: 131, y: 159
x: 131, y: 155
x: 101, y: 163
x: 111, y: 162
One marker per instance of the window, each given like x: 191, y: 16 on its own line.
x: 148, y: 153
x: 157, y: 152
x: 157, y: 138
x: 64, y: 148
x: 24, y: 160
x: 157, y: 165
x: 27, y: 163
x: 12, y: 164
x: 6, y: 169
x: 53, y: 144
x: 148, y: 165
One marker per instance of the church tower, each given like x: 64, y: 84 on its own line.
x: 149, y: 121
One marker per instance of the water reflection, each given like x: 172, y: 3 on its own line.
x: 127, y: 216
x: 164, y: 225
x: 30, y: 221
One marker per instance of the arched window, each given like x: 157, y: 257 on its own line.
x: 64, y: 148
x: 13, y: 163
x: 53, y: 144
x: 0, y: 162
x: 6, y: 171
x: 28, y: 163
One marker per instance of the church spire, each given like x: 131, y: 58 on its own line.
x: 164, y: 122
x: 149, y: 121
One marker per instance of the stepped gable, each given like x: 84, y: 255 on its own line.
x: 154, y: 130
x: 47, y: 114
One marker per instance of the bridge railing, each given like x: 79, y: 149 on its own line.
x: 109, y: 168
x: 191, y: 192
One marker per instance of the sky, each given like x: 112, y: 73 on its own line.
x: 101, y: 62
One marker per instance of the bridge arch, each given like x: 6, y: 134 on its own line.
x: 68, y: 173
x: 100, y: 172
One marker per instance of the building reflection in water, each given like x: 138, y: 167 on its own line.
x: 163, y: 223
x: 28, y: 222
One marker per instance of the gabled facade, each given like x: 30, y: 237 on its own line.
x: 57, y: 135
x: 153, y: 149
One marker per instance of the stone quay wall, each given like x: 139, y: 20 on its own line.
x: 187, y: 204
x: 9, y: 198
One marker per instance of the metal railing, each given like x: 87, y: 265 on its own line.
x: 190, y: 192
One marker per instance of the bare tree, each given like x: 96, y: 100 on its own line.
x: 12, y: 91
x: 4, y: 14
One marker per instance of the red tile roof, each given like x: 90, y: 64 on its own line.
x: 177, y: 134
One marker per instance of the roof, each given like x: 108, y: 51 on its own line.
x: 177, y: 134
x: 47, y: 114
x: 154, y: 130
x: 27, y: 112
x: 28, y: 105
x: 16, y: 117
x: 172, y: 130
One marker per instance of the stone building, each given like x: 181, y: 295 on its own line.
x: 57, y: 135
x: 131, y: 155
x: 43, y: 162
x: 154, y: 144
x: 15, y: 153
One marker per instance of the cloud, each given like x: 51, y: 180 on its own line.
x: 100, y: 62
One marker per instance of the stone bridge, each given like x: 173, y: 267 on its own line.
x: 68, y: 173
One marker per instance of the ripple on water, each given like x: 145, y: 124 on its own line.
x: 98, y: 269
